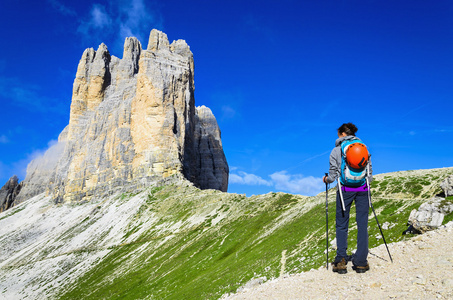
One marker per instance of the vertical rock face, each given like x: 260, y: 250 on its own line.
x: 211, y: 170
x: 9, y: 192
x: 132, y: 121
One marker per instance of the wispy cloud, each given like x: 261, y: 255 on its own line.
x: 4, y: 139
x: 117, y: 20
x: 62, y: 8
x: 233, y: 109
x: 228, y: 112
x: 45, y: 158
x: 413, y: 110
x: 282, y: 181
x: 29, y: 97
x: 425, y: 132
x: 308, y: 160
x: 331, y: 107
x: 98, y: 19
x: 137, y: 19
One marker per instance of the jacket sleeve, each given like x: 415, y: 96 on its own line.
x: 335, y: 165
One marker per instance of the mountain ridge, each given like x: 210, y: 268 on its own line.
x: 173, y: 241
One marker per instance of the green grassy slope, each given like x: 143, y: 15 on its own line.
x: 183, y: 243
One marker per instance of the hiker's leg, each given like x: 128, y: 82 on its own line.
x: 342, y: 223
x: 362, y: 209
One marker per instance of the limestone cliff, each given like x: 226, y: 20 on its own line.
x: 9, y: 192
x: 133, y: 121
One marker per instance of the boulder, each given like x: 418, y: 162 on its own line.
x: 429, y: 215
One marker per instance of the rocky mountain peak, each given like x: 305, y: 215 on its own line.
x: 158, y: 41
x: 133, y: 121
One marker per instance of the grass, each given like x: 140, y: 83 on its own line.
x: 13, y: 211
x: 184, y: 254
x: 206, y: 262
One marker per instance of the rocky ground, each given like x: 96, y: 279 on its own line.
x: 422, y: 268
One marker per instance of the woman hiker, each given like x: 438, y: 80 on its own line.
x: 346, y: 193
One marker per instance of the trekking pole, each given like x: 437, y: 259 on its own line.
x: 327, y: 226
x: 380, y: 229
x: 343, y: 208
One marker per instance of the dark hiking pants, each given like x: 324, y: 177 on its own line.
x: 342, y: 224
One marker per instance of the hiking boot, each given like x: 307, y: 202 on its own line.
x: 361, y: 269
x: 340, y: 267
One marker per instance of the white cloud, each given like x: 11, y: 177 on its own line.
x: 297, y: 183
x: 99, y: 17
x: 113, y: 21
x: 248, y: 179
x: 117, y: 20
x: 282, y: 181
x: 44, y: 159
x: 135, y: 18
x: 97, y: 21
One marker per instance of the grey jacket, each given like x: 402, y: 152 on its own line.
x: 335, y: 161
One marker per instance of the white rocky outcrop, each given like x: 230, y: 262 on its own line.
x: 447, y: 186
x: 430, y: 215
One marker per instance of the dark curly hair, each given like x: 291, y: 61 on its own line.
x: 348, y: 128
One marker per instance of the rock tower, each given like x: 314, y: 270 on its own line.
x: 133, y: 121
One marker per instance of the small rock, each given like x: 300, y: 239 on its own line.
x: 448, y: 282
x: 419, y: 280
x: 424, y: 246
x: 333, y: 244
x: 443, y: 262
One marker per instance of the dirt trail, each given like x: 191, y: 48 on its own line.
x: 422, y: 269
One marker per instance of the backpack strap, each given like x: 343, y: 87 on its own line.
x: 349, y: 141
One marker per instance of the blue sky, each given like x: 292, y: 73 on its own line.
x: 280, y: 76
